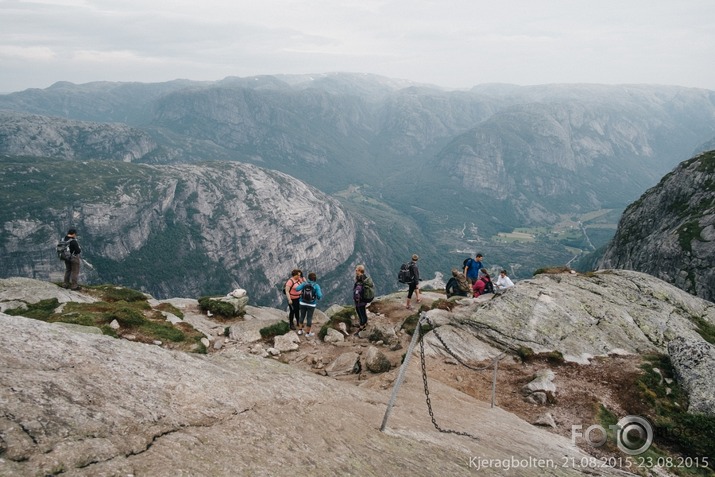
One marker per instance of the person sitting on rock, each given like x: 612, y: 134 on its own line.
x: 457, y: 285
x: 478, y: 288
x: 503, y: 282
x: 488, y: 285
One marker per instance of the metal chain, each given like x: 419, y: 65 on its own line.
x: 424, y: 380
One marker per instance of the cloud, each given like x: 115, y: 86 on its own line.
x: 456, y: 44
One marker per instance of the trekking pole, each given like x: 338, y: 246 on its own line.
x: 403, y: 370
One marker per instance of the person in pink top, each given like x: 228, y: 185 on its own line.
x: 293, y: 296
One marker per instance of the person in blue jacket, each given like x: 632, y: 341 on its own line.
x: 310, y: 293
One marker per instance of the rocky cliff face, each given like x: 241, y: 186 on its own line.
x: 42, y: 136
x: 177, y: 230
x: 670, y: 231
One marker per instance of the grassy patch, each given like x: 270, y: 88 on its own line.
x: 217, y: 307
x: 343, y: 316
x: 169, y: 308
x: 410, y: 324
x: 276, y: 329
x: 42, y: 310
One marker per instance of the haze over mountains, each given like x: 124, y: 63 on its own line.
x: 517, y: 173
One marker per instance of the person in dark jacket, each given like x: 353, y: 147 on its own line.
x: 362, y: 281
x: 415, y: 283
x: 457, y: 285
x: 72, y: 265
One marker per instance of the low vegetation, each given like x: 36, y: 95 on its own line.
x: 131, y: 311
x: 343, y: 316
x: 679, y: 437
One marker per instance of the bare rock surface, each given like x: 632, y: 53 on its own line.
x: 579, y: 316
x: 86, y: 405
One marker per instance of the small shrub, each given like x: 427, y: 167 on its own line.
x: 276, y: 329
x: 217, y: 307
x: 525, y: 353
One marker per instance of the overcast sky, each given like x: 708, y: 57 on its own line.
x: 451, y: 43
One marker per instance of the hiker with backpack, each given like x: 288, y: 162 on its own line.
x: 414, y: 282
x: 310, y: 293
x: 71, y: 257
x: 293, y: 296
x: 488, y: 285
x: 457, y: 285
x: 472, y: 267
x: 363, y: 294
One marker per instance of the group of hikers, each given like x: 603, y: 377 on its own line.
x: 475, y: 280
x: 303, y: 294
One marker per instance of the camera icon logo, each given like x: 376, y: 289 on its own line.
x: 633, y: 434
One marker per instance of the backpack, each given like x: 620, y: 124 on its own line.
x: 405, y: 274
x: 463, y: 284
x: 488, y: 286
x: 358, y: 292
x: 63, y: 250
x: 307, y: 294
x: 368, y: 293
x: 467, y: 262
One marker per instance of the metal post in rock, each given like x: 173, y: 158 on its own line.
x: 403, y: 371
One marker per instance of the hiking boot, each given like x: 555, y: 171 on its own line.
x: 76, y: 288
x: 292, y: 326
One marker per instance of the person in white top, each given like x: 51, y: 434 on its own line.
x: 503, y: 282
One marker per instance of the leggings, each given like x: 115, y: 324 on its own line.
x: 306, y: 314
x: 362, y: 314
x: 293, y: 310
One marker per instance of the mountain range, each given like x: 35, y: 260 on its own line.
x: 367, y: 169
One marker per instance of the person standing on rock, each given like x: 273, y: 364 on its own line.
x: 293, y: 296
x: 472, y: 267
x: 361, y: 296
x: 72, y: 265
x: 414, y: 284
x: 310, y: 293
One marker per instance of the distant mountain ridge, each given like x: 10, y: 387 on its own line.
x: 457, y: 167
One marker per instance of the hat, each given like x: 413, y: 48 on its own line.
x: 72, y: 232
x: 415, y: 257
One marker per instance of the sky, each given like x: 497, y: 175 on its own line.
x: 450, y: 43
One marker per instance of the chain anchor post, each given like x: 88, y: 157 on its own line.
x: 403, y: 370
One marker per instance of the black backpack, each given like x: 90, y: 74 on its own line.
x: 63, y: 250
x: 467, y: 262
x: 405, y: 273
x: 307, y: 294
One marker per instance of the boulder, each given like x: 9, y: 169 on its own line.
x: 346, y: 363
x: 376, y: 361
x: 694, y: 362
x: 287, y: 342
x: 334, y: 336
